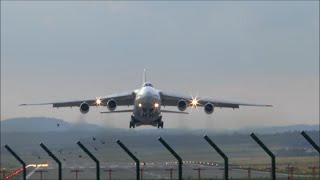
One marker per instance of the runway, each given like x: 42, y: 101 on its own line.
x: 148, y: 172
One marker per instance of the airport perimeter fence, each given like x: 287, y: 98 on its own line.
x: 139, y: 172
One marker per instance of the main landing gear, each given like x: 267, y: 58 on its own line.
x: 132, y: 123
x: 160, y: 124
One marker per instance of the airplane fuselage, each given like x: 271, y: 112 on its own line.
x: 147, y: 106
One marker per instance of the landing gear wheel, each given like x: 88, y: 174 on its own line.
x: 131, y: 124
x: 160, y: 125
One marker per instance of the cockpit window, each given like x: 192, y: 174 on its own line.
x: 147, y: 84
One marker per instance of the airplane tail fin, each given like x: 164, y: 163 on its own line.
x: 144, y: 76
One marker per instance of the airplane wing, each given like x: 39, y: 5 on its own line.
x: 123, y: 99
x: 119, y: 111
x: 171, y: 99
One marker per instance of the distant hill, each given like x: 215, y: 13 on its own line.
x: 43, y: 124
x: 280, y: 129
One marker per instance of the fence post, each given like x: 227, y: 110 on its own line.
x: 132, y: 156
x: 307, y: 137
x: 226, y: 163
x: 20, y: 160
x: 54, y: 158
x: 174, y: 154
x: 92, y: 157
x: 273, y: 158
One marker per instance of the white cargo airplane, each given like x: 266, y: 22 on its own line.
x: 147, y: 102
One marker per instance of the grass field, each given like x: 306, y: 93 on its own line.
x: 300, y: 164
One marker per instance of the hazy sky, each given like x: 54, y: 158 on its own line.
x: 262, y: 52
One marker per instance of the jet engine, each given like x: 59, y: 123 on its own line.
x: 111, y: 105
x: 84, y: 108
x: 209, y: 108
x: 182, y: 105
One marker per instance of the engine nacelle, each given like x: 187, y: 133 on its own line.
x: 182, y: 105
x: 112, y: 105
x: 84, y: 108
x: 209, y: 108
